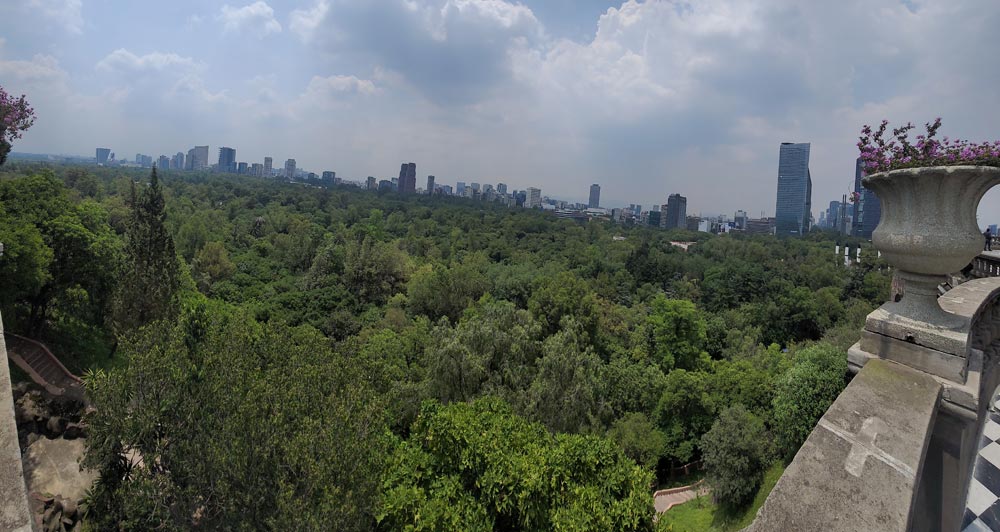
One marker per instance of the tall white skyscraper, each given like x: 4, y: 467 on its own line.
x: 267, y: 167
x: 290, y: 168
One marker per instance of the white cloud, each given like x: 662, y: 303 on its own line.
x: 304, y: 22
x: 67, y: 13
x: 256, y: 18
x: 41, y: 70
x: 122, y: 60
x: 334, y: 91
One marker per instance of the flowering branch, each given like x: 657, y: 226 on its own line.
x: 881, y: 155
x: 15, y: 117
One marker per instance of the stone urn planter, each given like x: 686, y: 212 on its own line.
x: 928, y: 229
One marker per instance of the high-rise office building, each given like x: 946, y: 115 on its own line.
x: 533, y: 199
x: 407, y: 183
x: 256, y: 169
x: 329, y: 177
x: 242, y: 168
x: 653, y: 218
x: 794, y: 199
x: 268, y: 168
x: 460, y: 188
x: 430, y: 185
x: 833, y: 215
x: 197, y: 158
x: 177, y: 163
x: 227, y: 160
x: 676, y: 212
x: 163, y: 162
x: 595, y: 196
x: 502, y: 189
x: 867, y: 207
x: 475, y: 187
x: 372, y: 183
x: 290, y: 168
x: 102, y: 155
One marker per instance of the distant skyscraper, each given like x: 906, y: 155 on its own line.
x: 833, y: 215
x: 460, y: 188
x: 407, y: 178
x: 653, y: 218
x: 290, y: 168
x: 329, y: 177
x: 163, y: 163
x: 197, y: 158
x: 475, y: 187
x: 177, y: 163
x: 794, y: 199
x: 502, y: 189
x: 595, y: 196
x: 740, y: 219
x: 268, y: 168
x: 533, y: 199
x: 430, y: 185
x: 257, y: 170
x: 868, y: 208
x: 372, y: 183
x: 676, y: 212
x: 242, y: 168
x: 102, y: 155
x: 227, y: 160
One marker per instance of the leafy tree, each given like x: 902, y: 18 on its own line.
x: 480, y: 467
x: 564, y: 295
x: 375, y: 270
x: 805, y: 392
x: 149, y: 278
x: 735, y: 452
x: 564, y: 394
x: 639, y: 438
x: 182, y: 437
x: 685, y: 412
x: 15, y: 117
x: 679, y: 333
x: 211, y: 265
x: 59, y: 254
x: 492, y: 350
x: 438, y: 291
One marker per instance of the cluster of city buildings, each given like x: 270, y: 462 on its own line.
x: 197, y: 159
x: 856, y: 213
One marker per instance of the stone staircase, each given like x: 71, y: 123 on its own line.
x: 43, y: 367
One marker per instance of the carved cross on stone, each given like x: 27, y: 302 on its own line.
x: 863, y: 446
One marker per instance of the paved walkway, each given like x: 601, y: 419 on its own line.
x: 664, y: 500
x: 44, y: 368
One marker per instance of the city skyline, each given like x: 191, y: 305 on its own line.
x: 508, y: 91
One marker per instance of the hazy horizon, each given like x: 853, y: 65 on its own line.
x: 645, y: 98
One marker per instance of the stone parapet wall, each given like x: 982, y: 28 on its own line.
x: 15, y: 514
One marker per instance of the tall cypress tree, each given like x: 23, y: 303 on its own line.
x: 149, y: 274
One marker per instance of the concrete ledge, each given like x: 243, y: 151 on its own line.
x: 916, y: 356
x: 860, y: 467
x: 950, y: 341
x: 961, y: 400
x: 15, y: 514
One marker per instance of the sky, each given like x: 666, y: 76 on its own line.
x: 645, y: 98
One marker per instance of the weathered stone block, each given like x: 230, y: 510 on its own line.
x: 860, y: 468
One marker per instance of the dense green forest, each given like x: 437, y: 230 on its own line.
x: 274, y: 355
